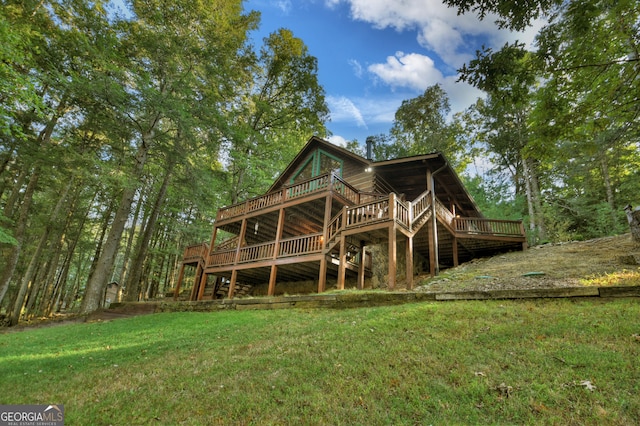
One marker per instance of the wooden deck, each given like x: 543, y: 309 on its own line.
x: 367, y: 211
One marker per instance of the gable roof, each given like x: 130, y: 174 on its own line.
x: 313, y: 144
x: 408, y: 175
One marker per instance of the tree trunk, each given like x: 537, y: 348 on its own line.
x: 142, y: 246
x: 606, y: 177
x: 127, y: 252
x: 104, y: 266
x: 633, y: 216
x: 14, y: 251
x: 35, y: 258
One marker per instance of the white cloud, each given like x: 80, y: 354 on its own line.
x: 411, y: 70
x: 461, y: 95
x: 441, y: 31
x: 337, y: 140
x: 439, y: 28
x: 283, y: 5
x: 357, y: 68
x: 344, y: 110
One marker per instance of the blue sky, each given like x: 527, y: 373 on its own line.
x: 373, y: 54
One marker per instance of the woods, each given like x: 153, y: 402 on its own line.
x: 124, y: 128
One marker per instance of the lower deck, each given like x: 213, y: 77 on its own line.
x: 402, y: 230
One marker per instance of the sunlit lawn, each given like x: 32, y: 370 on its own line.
x: 491, y: 362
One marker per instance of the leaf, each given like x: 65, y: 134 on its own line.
x: 588, y: 385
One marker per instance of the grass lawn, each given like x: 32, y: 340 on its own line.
x: 545, y: 362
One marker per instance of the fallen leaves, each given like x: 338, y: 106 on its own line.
x: 584, y: 383
x: 504, y: 390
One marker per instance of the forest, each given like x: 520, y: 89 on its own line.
x: 122, y: 131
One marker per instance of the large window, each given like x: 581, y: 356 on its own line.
x: 318, y: 163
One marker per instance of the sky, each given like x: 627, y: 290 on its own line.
x: 373, y: 54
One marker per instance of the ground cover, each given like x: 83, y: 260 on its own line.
x: 482, y: 362
x: 602, y: 262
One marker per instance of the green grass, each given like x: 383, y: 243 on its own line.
x: 488, y: 362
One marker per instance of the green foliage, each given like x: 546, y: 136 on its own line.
x: 512, y: 14
x: 495, y: 198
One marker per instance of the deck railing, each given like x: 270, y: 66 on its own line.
x: 420, y: 205
x: 335, y: 226
x: 256, y: 252
x: 481, y: 226
x: 373, y: 211
x: 307, y: 244
x: 222, y: 257
x: 195, y: 252
x: 327, y: 181
x: 376, y: 210
x: 402, y: 214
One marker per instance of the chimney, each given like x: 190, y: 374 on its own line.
x: 370, y: 142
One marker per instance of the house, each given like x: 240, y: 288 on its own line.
x: 321, y: 218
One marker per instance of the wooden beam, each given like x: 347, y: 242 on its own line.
x: 272, y: 280
x: 274, y: 268
x: 176, y: 292
x: 455, y: 251
x: 409, y: 262
x: 322, y: 275
x: 232, y: 283
x: 343, y: 262
x: 392, y: 256
x: 202, y: 284
x: 361, y: 266
x: 432, y: 254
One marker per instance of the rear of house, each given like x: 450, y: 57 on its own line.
x: 332, y: 215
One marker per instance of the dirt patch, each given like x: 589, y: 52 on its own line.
x: 609, y: 261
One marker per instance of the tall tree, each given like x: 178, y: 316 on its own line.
x: 591, y: 53
x: 509, y: 79
x: 180, y: 56
x: 421, y: 126
x: 282, y: 105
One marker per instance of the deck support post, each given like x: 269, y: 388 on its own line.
x: 272, y: 280
x: 232, y: 283
x: 409, y: 264
x: 432, y: 248
x: 455, y: 251
x: 276, y: 252
x: 322, y: 275
x: 196, y: 284
x: 176, y: 292
x: 361, y: 266
x: 202, y: 284
x: 343, y: 262
x: 234, y: 272
x: 392, y: 257
x: 216, y: 287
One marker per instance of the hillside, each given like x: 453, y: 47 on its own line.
x: 609, y: 261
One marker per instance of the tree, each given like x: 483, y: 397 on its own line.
x: 591, y: 53
x: 281, y: 106
x: 179, y: 56
x: 420, y: 127
x: 512, y: 14
x: 509, y: 77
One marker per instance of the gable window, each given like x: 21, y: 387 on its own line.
x: 318, y: 163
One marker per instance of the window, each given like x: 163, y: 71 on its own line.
x: 318, y: 163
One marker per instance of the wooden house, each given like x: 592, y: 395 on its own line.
x: 328, y: 207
